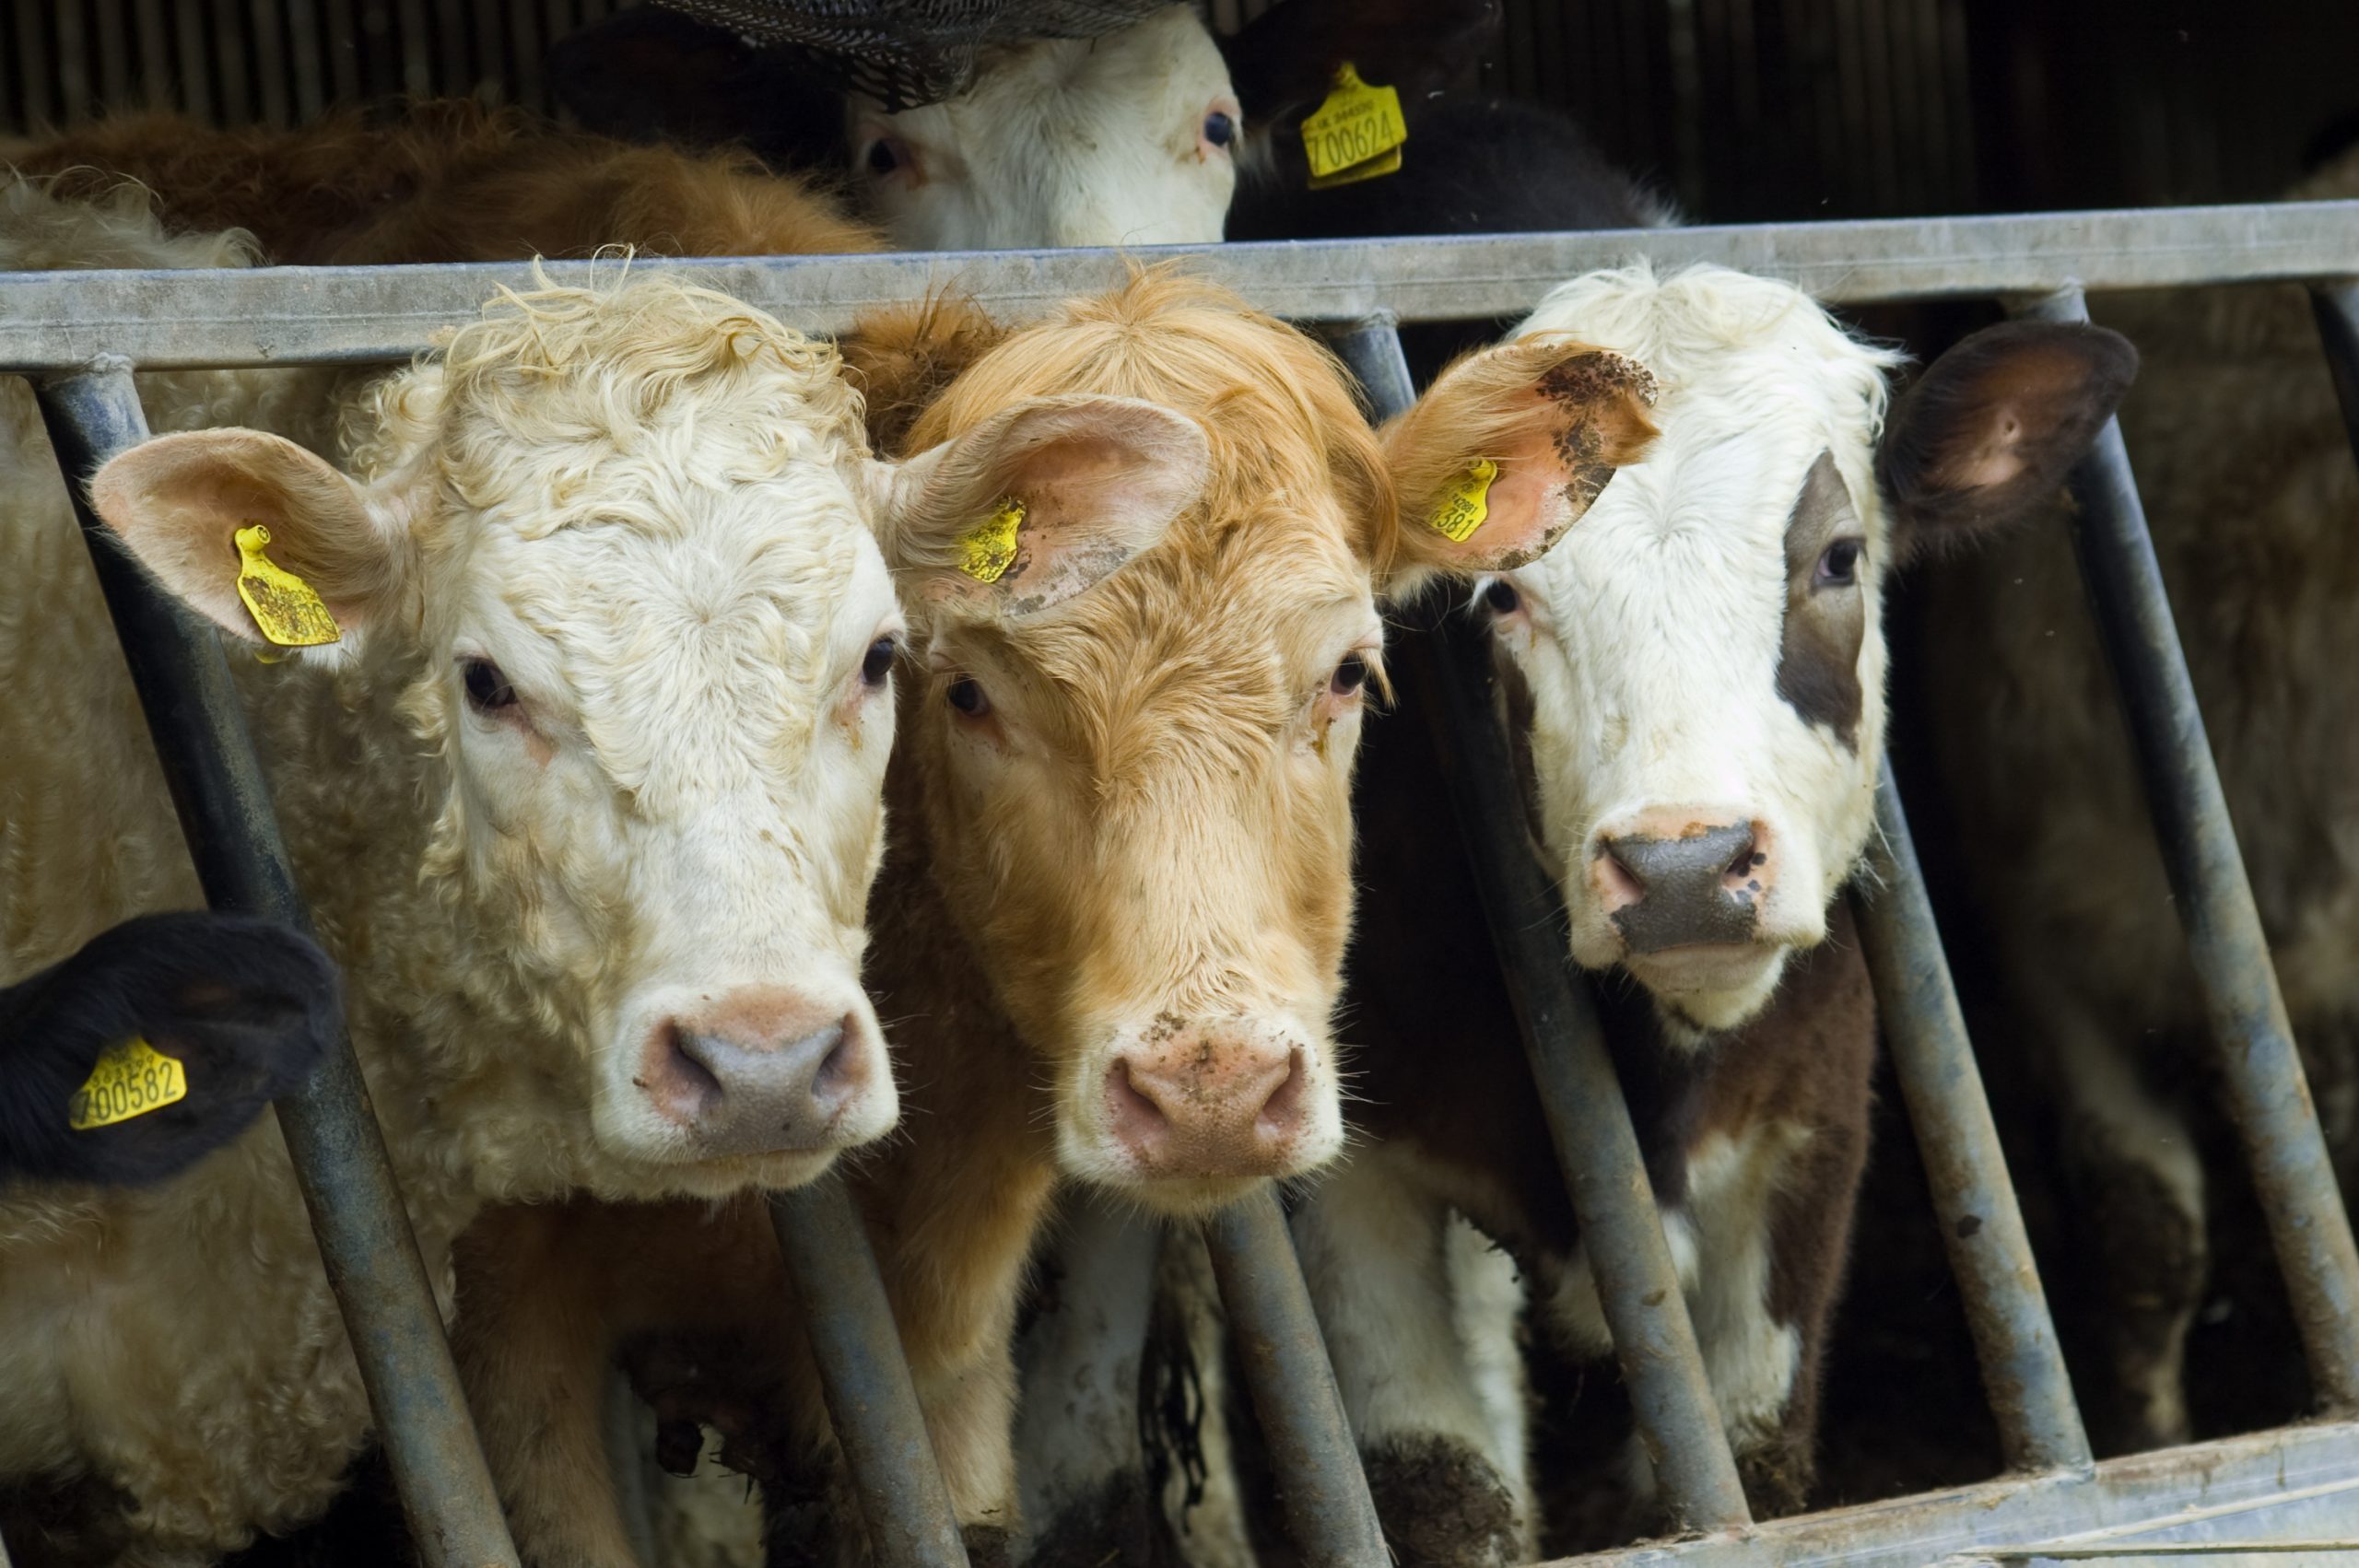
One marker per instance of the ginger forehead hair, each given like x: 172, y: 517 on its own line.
x: 647, y: 366
x: 1276, y: 407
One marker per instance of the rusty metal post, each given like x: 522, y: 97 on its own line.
x: 2336, y: 305
x: 871, y: 1401
x: 2267, y: 1096
x: 332, y: 1134
x: 1982, y: 1227
x: 1321, y: 1485
x: 1588, y: 1118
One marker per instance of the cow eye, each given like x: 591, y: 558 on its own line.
x: 487, y: 689
x: 1501, y: 599
x: 1350, y: 675
x: 1839, y: 567
x: 1220, y: 129
x: 877, y: 662
x: 967, y: 696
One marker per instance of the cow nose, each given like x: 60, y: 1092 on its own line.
x: 1703, y: 883
x: 759, y: 1073
x: 1206, y: 1104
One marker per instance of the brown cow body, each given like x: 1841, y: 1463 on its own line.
x: 2245, y: 464
x: 446, y: 181
x: 1694, y: 677
x: 1752, y: 1137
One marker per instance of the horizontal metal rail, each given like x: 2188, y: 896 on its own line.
x: 2268, y: 1096
x: 1974, y: 1199
x: 2301, y: 1478
x: 357, y: 315
x: 1588, y: 1118
x: 332, y: 1135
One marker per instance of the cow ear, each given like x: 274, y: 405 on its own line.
x: 1285, y: 58
x: 1039, y: 502
x: 651, y: 75
x: 1992, y: 427
x: 180, y: 502
x: 1507, y: 450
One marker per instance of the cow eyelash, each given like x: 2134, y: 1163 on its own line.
x: 488, y: 691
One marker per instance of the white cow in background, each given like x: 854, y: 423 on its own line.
x: 1129, y: 139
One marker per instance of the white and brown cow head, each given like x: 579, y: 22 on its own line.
x: 621, y: 562
x: 1138, y: 802
x: 1130, y: 139
x: 1700, y: 664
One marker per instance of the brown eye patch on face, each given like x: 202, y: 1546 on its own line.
x: 1818, y: 654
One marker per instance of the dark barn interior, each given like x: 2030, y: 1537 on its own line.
x: 1739, y: 111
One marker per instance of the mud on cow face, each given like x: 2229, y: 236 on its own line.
x: 1699, y: 665
x: 624, y: 563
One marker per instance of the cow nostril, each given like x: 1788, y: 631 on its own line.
x: 1281, y: 1113
x: 1743, y: 865
x: 1622, y: 883
x: 693, y: 1072
x: 840, y: 1073
x: 1136, y: 1111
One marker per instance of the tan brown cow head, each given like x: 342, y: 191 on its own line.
x: 1138, y: 801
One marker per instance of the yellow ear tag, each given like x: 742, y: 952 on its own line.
x: 1467, y: 504
x: 1356, y: 134
x: 130, y: 1079
x: 284, y: 606
x: 987, y: 552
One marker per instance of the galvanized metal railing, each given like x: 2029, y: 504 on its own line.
x: 79, y: 334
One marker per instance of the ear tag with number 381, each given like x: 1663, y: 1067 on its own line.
x: 1466, y: 505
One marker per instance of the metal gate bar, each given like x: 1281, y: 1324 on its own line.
x: 1974, y: 1199
x: 2267, y: 1098
x: 872, y: 1402
x: 245, y: 316
x: 1321, y: 1488
x: 55, y: 324
x: 1588, y: 1119
x: 332, y: 1135
x: 2336, y: 308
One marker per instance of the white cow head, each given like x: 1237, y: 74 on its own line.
x: 1129, y: 139
x: 1124, y: 140
x: 1700, y: 664
x: 623, y: 564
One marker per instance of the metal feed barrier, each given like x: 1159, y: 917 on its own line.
x: 79, y: 335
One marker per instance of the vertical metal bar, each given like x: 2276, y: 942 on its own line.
x: 2267, y: 1096
x: 871, y: 1399
x: 1982, y: 1227
x: 1588, y: 1119
x: 1321, y: 1488
x: 332, y: 1134
x: 2336, y: 308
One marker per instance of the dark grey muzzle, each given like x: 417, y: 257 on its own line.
x: 1692, y: 890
